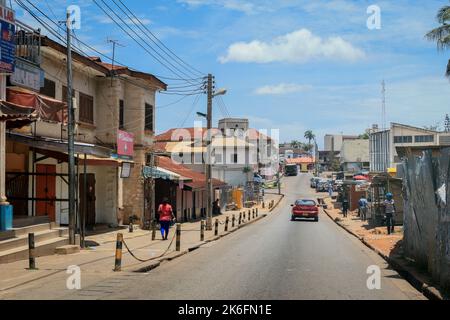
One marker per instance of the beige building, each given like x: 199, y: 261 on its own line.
x: 106, y: 100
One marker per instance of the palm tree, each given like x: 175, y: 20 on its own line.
x: 295, y: 144
x: 441, y: 34
x: 309, y: 135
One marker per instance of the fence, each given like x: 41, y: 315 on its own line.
x: 426, y: 197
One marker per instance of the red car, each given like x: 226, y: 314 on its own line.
x: 305, y: 209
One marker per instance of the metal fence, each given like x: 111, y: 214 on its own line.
x: 427, y: 213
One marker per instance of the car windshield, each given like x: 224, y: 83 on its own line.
x: 305, y: 203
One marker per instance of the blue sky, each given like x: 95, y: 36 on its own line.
x: 291, y: 65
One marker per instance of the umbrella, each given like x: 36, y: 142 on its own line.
x: 360, y: 177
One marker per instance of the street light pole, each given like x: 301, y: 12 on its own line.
x: 209, y: 186
x: 70, y: 133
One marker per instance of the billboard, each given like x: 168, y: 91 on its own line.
x: 7, y: 40
x: 125, y: 145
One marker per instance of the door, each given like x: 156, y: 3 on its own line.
x: 90, y: 198
x: 46, y: 189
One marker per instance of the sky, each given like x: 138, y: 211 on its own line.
x: 291, y: 65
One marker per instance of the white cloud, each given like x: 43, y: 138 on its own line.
x: 282, y: 88
x: 247, y: 7
x: 296, y: 47
x: 107, y: 20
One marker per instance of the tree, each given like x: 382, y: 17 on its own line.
x: 441, y: 34
x: 309, y: 135
x: 364, y: 136
x: 295, y: 144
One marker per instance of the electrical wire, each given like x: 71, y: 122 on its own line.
x: 146, y: 31
x: 123, y: 25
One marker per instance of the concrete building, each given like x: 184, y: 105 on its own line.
x: 354, y: 155
x: 333, y: 142
x: 114, y: 111
x: 388, y: 147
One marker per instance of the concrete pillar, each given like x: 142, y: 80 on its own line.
x: 3, y: 200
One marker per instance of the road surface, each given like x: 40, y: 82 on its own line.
x: 271, y: 259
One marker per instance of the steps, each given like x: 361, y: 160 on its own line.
x: 46, y: 236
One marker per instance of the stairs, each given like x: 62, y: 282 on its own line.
x: 46, y: 237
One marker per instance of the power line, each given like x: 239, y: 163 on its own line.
x: 172, y: 67
x: 81, y: 51
x: 148, y: 32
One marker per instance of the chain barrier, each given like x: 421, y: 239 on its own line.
x: 150, y: 259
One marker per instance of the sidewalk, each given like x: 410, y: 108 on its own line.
x: 389, y: 247
x: 97, y: 262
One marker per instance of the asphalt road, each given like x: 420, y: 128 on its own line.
x: 271, y: 259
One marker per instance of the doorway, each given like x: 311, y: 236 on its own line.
x: 90, y: 213
x: 46, y: 189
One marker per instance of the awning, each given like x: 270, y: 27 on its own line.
x: 46, y: 107
x: 16, y: 116
x: 161, y: 173
x: 60, y: 146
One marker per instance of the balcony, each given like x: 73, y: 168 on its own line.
x: 28, y: 44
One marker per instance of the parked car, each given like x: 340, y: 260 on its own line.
x: 291, y: 170
x: 314, y: 182
x: 305, y: 209
x: 322, y: 185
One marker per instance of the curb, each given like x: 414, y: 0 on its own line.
x: 277, y: 203
x: 428, y: 291
x: 174, y: 255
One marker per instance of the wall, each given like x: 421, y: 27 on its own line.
x: 426, y: 240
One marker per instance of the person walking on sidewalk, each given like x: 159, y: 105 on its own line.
x: 345, y: 206
x: 165, y: 217
x: 363, y: 208
x: 389, y: 211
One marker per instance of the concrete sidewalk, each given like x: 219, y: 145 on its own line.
x: 389, y: 247
x: 97, y: 263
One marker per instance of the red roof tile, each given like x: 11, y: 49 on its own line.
x: 198, y: 179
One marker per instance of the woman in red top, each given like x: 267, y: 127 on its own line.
x: 165, y: 217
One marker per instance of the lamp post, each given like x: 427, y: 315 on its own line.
x: 209, y: 186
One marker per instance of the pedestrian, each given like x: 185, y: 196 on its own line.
x: 330, y: 189
x: 166, y: 216
x: 363, y: 208
x: 216, y: 207
x: 345, y: 206
x: 389, y: 211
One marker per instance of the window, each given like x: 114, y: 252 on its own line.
x: 234, y: 158
x: 403, y: 139
x: 86, y: 113
x: 427, y: 138
x: 149, y: 117
x: 64, y: 94
x: 49, y: 88
x: 121, y: 115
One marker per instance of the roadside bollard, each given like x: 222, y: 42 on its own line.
x: 263, y: 205
x: 118, y: 262
x: 31, y: 252
x: 257, y: 212
x: 253, y: 214
x: 227, y: 220
x: 202, y: 230
x: 240, y: 218
x: 153, y: 230
x: 233, y: 220
x: 248, y: 215
x: 178, y: 235
x: 216, y: 227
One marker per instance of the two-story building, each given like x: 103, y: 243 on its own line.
x: 388, y: 147
x: 114, y: 114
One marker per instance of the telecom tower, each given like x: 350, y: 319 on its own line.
x: 383, y: 104
x: 447, y: 123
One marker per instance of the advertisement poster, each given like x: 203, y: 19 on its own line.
x: 125, y: 145
x: 7, y: 41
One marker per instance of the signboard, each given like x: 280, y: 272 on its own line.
x: 125, y: 145
x: 126, y: 170
x: 7, y: 40
x: 27, y: 75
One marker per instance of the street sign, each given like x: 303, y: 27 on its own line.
x: 7, y: 40
x: 27, y: 75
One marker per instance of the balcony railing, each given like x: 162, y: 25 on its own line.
x: 28, y: 43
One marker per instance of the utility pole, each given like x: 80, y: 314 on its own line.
x: 209, y: 186
x: 70, y: 133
